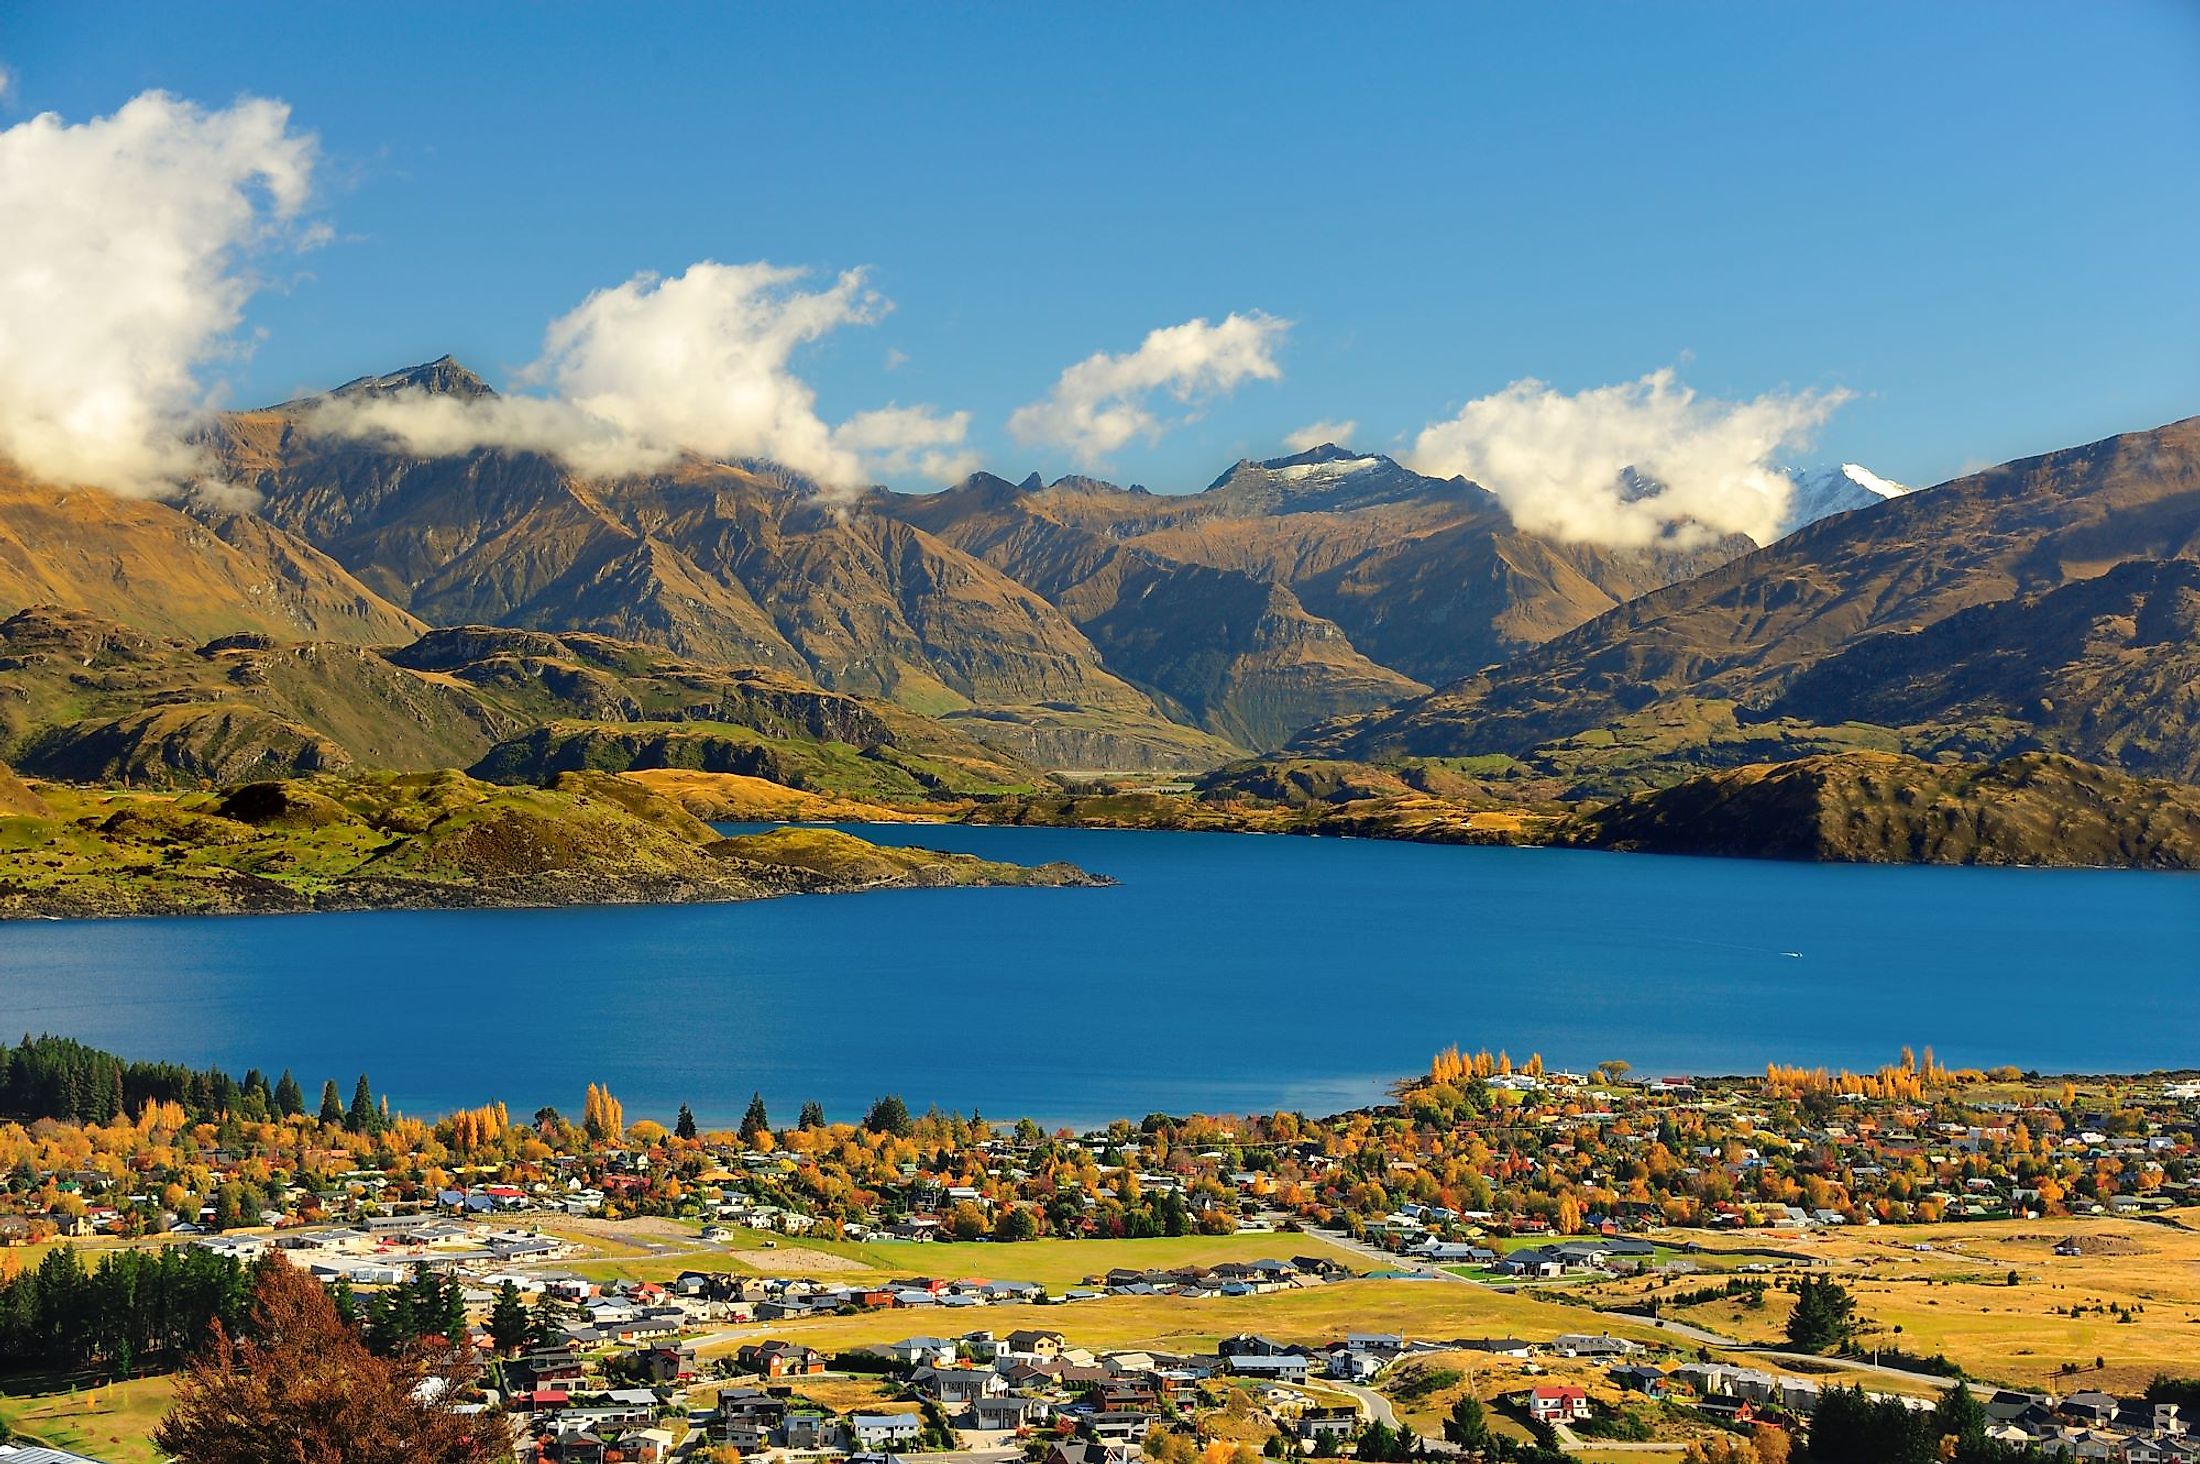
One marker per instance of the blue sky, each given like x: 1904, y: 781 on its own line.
x: 1980, y: 218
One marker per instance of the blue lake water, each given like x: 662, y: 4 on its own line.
x: 1225, y: 973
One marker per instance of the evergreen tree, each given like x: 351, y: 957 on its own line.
x: 1961, y: 1417
x: 360, y: 1120
x: 755, y: 1122
x: 888, y: 1116
x: 684, y: 1126
x: 332, y: 1103
x: 508, y: 1320
x: 1824, y: 1317
x: 1468, y: 1426
x: 813, y: 1116
x: 289, y: 1100
x: 546, y: 1321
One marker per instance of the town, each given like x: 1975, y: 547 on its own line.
x: 1508, y: 1258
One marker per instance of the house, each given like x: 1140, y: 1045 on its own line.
x: 884, y: 1430
x: 2091, y: 1408
x: 1038, y: 1346
x: 957, y: 1387
x: 1001, y: 1414
x: 1636, y: 1378
x: 1125, y: 1395
x: 1252, y: 1344
x: 1557, y: 1404
x: 1355, y: 1367
x: 1500, y: 1346
x: 783, y: 1359
x: 1581, y: 1344
x: 1316, y: 1424
x: 1283, y: 1368
x: 1532, y: 1261
x: 920, y: 1351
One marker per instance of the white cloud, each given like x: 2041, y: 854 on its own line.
x: 698, y: 363
x: 123, y: 273
x: 894, y: 442
x: 1575, y: 466
x: 1314, y: 434
x: 1102, y: 402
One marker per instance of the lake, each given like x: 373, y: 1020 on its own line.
x: 1224, y: 973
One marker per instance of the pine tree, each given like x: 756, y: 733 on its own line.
x: 1961, y: 1417
x: 755, y: 1122
x: 289, y: 1100
x: 1824, y: 1315
x: 684, y: 1127
x: 508, y: 1320
x: 332, y: 1103
x: 813, y: 1116
x: 546, y: 1322
x: 360, y: 1119
x: 888, y: 1116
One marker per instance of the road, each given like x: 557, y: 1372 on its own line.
x: 1777, y: 1354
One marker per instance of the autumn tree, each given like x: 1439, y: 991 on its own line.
x: 296, y: 1383
x: 603, y: 1119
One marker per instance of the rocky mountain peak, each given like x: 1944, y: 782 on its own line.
x: 443, y: 376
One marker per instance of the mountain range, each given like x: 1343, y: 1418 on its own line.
x: 339, y: 601
x: 2045, y: 603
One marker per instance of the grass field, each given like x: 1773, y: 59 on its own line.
x: 1316, y: 1314
x: 1055, y: 1264
x: 112, y: 1423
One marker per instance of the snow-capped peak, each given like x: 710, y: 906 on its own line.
x: 1830, y: 491
x: 1871, y: 482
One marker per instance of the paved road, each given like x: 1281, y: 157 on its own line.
x: 1777, y: 1354
x: 1373, y: 1405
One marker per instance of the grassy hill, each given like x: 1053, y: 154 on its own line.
x: 424, y: 840
x: 2037, y: 809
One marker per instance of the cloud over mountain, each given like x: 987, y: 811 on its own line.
x: 1631, y: 464
x: 699, y: 362
x: 125, y: 265
x: 1104, y: 401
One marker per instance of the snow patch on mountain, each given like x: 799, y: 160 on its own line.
x: 1829, y: 491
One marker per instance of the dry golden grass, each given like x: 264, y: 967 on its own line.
x: 1944, y: 1288
x: 736, y: 797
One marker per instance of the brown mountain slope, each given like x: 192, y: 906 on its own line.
x: 155, y: 566
x: 716, y: 562
x: 1431, y: 570
x: 2040, y: 808
x: 1745, y: 631
x: 1220, y: 648
x: 2107, y: 669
